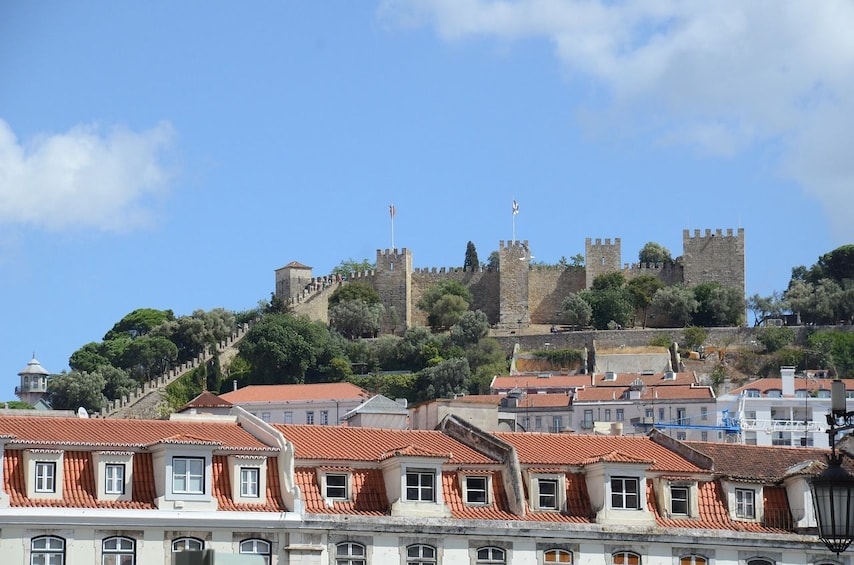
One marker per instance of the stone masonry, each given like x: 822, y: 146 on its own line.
x: 519, y: 294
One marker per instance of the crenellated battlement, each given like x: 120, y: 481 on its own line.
x: 512, y: 244
x: 687, y: 235
x: 518, y: 293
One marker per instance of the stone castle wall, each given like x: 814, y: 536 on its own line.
x: 517, y: 294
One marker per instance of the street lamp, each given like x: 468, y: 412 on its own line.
x: 833, y: 489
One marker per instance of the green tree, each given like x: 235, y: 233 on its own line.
x: 356, y: 290
x: 576, y: 261
x: 18, y: 405
x: 139, y: 322
x: 575, y: 310
x: 70, y: 391
x: 493, y: 261
x: 835, y: 350
x: 117, y: 382
x: 470, y: 328
x: 88, y: 358
x: 443, y: 380
x: 775, y: 338
x: 348, y: 267
x: 609, y: 300
x: 694, y: 336
x: 764, y: 307
x: 356, y: 318
x: 654, y: 253
x: 642, y: 289
x: 675, y: 304
x: 148, y: 356
x: 718, y: 305
x: 471, y: 262
x: 444, y: 303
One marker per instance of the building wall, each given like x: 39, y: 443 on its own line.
x: 514, y: 260
x: 714, y: 257
x: 601, y: 257
x: 393, y: 282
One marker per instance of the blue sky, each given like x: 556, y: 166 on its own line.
x: 173, y: 154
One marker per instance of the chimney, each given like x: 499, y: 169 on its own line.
x: 234, y: 384
x: 788, y: 376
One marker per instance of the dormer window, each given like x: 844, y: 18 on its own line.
x: 679, y: 500
x: 625, y: 493
x: 113, y: 470
x: 745, y: 503
x: 188, y: 475
x: 248, y: 478
x: 548, y: 492
x: 114, y: 478
x: 44, y: 473
x: 45, y: 476
x: 476, y: 489
x: 336, y: 486
x: 420, y: 485
x: 751, y: 393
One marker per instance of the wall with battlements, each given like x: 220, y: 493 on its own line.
x: 518, y: 294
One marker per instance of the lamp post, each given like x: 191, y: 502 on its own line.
x: 833, y: 489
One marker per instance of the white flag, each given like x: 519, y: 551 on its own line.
x: 515, y: 207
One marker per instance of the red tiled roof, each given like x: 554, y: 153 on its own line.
x: 294, y: 265
x: 207, y: 399
x: 368, y: 490
x: 281, y: 393
x: 553, y: 400
x: 98, y: 432
x: 676, y: 392
x: 762, y: 463
x: 616, y: 457
x: 539, y: 382
x: 222, y: 488
x: 79, y: 489
x: 338, y: 443
x: 572, y: 449
x: 654, y: 380
x: 776, y: 383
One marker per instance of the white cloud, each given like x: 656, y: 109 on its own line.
x: 721, y: 76
x: 85, y: 178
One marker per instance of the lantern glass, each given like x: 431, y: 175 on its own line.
x: 833, y: 500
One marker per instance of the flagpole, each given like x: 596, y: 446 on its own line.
x: 392, y: 213
x: 515, y: 212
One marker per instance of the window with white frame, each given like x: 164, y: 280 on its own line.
x: 288, y: 418
x: 118, y: 550
x: 265, y: 416
x: 188, y: 475
x: 309, y: 417
x: 114, y: 478
x: 249, y: 480
x: 490, y: 556
x: 336, y: 486
x: 625, y: 493
x: 693, y: 560
x: 679, y: 496
x: 421, y: 485
x: 350, y: 553
x: 554, y: 556
x: 547, y: 494
x: 420, y: 554
x: 745, y: 503
x: 187, y: 544
x: 625, y: 558
x: 704, y: 413
x: 47, y: 550
x: 621, y: 415
x: 45, y: 476
x: 476, y: 489
x: 324, y: 417
x: 257, y: 547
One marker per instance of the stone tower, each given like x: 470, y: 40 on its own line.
x: 34, y: 380
x: 514, y: 261
x: 393, y: 282
x: 291, y: 280
x: 601, y: 258
x: 714, y: 257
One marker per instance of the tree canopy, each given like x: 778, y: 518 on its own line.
x: 471, y: 262
x: 654, y: 253
x: 444, y: 303
x: 139, y: 322
x: 348, y: 267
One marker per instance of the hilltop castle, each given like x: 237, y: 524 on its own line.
x: 518, y: 294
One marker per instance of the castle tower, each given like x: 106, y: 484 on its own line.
x: 601, y: 258
x: 514, y: 261
x: 33, y: 385
x: 393, y: 282
x: 291, y: 280
x: 714, y: 257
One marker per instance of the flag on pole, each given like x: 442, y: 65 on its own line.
x: 391, y: 211
x: 515, y: 207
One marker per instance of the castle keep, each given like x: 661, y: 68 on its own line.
x: 519, y: 294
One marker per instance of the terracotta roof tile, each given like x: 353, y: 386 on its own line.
x: 368, y: 492
x: 539, y: 382
x: 298, y: 392
x: 776, y: 383
x: 222, y: 488
x: 760, y: 463
x: 616, y: 457
x: 207, y: 399
x: 98, y: 432
x: 672, y: 392
x: 653, y: 380
x: 338, y: 443
x: 413, y: 451
x: 572, y: 449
